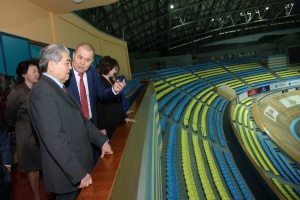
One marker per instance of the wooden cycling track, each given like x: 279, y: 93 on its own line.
x: 279, y: 130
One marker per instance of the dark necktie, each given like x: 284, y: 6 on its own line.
x: 83, y: 98
x: 64, y: 89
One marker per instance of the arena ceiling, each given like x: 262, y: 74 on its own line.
x: 152, y: 25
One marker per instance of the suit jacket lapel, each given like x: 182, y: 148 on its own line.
x: 73, y: 86
x: 67, y: 97
x: 90, y: 81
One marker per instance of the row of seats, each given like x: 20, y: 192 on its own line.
x: 228, y: 179
x: 131, y: 85
x: 165, y: 92
x: 167, y: 98
x: 166, y: 71
x: 187, y: 80
x: 219, y: 123
x: 278, y: 64
x: 163, y: 123
x: 258, y: 78
x: 210, y: 72
x: 184, y: 83
x: 130, y: 92
x: 291, y: 172
x: 285, y: 190
x: 171, y: 106
x: 237, y: 176
x: 287, y: 75
x: 204, y: 66
x: 187, y: 167
x: 205, y: 182
x: 179, y: 78
x: 180, y: 108
x: 204, y: 118
x: 243, y: 67
x: 272, y: 156
x: 186, y: 117
x: 201, y: 88
x: 208, y: 98
x: 172, y: 183
x: 161, y: 85
x: 194, y: 84
x: 247, y: 101
x: 269, y: 159
x: 247, y: 137
x: 259, y: 138
x: 214, y: 170
x: 172, y: 74
x: 251, y: 72
x: 219, y: 79
x: 215, y: 116
x: 218, y: 76
x: 247, y: 144
x: 283, y: 170
x: 277, y: 61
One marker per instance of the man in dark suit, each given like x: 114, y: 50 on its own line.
x: 63, y: 131
x: 5, y: 164
x: 83, y: 57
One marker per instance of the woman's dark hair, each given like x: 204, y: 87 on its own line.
x: 23, y: 68
x: 106, y: 64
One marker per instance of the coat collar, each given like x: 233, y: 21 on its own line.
x: 67, y: 97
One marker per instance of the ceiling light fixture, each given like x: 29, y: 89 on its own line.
x: 77, y: 1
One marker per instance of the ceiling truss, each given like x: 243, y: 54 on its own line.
x: 151, y: 25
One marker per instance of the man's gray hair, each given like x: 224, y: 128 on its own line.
x: 51, y: 52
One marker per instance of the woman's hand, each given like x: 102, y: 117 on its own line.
x: 127, y: 120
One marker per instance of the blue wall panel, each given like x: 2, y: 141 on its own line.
x: 35, y: 51
x: 15, y: 49
x: 97, y: 58
x: 2, y: 68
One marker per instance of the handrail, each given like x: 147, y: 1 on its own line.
x: 109, y: 169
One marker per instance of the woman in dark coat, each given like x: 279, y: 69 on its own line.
x: 28, y: 152
x: 110, y: 113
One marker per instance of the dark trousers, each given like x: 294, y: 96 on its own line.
x: 5, y: 182
x: 67, y: 196
x: 111, y: 128
x: 96, y: 151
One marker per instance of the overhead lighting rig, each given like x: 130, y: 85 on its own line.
x: 288, y: 8
x: 260, y: 16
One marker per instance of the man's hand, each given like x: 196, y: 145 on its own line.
x: 118, y: 86
x: 106, y: 149
x: 86, y: 181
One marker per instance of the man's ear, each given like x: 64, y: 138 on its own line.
x: 51, y: 65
